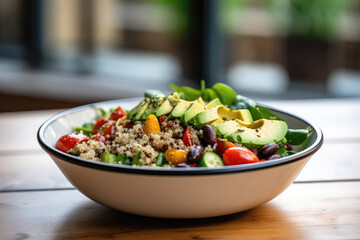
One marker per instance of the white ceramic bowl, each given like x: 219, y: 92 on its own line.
x: 178, y: 192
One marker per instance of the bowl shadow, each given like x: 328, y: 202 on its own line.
x: 93, y: 221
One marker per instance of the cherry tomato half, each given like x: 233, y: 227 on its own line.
x: 239, y: 155
x: 68, y: 141
x: 152, y: 125
x: 187, y: 138
x: 176, y: 156
x: 109, y: 130
x: 221, y: 147
x: 117, y: 113
x: 98, y: 125
x: 99, y: 138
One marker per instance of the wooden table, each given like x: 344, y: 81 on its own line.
x: 37, y: 202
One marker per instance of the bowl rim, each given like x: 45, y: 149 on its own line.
x: 199, y: 171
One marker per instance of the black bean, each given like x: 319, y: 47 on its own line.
x: 254, y: 150
x: 274, y: 156
x: 195, y: 154
x: 186, y: 165
x: 288, y: 147
x: 268, y: 150
x: 209, y: 134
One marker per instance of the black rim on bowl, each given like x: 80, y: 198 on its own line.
x: 314, y: 147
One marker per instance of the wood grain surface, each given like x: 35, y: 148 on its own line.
x: 18, y: 130
x: 337, y: 118
x: 304, y: 211
x: 33, y: 171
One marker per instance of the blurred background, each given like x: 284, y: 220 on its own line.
x: 63, y: 53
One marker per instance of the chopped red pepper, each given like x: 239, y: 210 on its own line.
x: 98, y: 125
x: 162, y: 119
x: 117, y: 113
x: 109, y: 130
x: 188, y: 141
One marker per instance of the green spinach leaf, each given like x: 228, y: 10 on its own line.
x: 225, y: 93
x: 241, y: 102
x: 175, y: 88
x: 259, y: 112
x: 191, y: 94
x: 86, y: 128
x: 282, y: 149
x: 186, y: 93
x: 208, y: 94
x: 88, y: 125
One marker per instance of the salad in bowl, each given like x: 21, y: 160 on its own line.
x: 189, y: 128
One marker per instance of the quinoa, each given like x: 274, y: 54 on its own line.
x: 131, y: 138
x: 90, y: 150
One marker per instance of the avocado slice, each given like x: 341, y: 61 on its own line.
x: 194, y: 109
x: 226, y: 114
x: 229, y: 114
x: 220, y: 114
x: 168, y: 105
x: 136, y: 109
x: 180, y: 109
x: 153, y: 106
x: 205, y: 117
x: 141, y: 111
x: 226, y: 128
x: 261, y: 132
x: 215, y: 102
x: 200, y: 101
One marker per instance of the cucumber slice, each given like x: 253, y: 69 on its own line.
x: 211, y: 160
x: 108, y: 158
